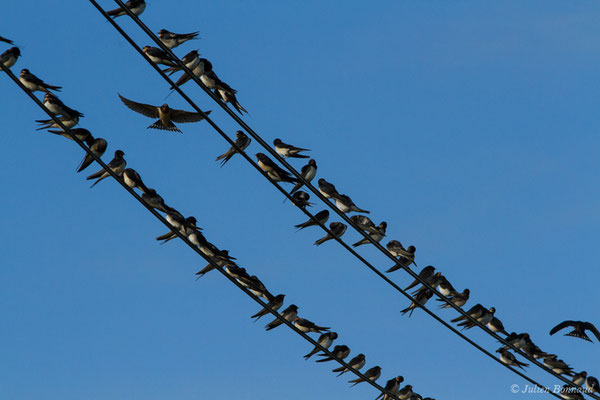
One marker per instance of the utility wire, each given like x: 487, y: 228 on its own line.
x: 186, y: 241
x: 327, y: 202
x: 352, y: 251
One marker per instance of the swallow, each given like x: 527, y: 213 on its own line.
x: 242, y: 141
x: 371, y: 374
x: 256, y: 287
x: 274, y: 172
x: 327, y: 189
x: 210, y: 79
x: 405, y: 393
x: 321, y: 217
x: 166, y: 115
x: 426, y: 274
x: 134, y: 180
x: 82, y: 134
x: 300, y: 199
x: 157, y: 56
x: 459, y: 299
x: 579, y: 379
x: 345, y: 204
x: 212, y: 251
x: 340, y: 351
x: 592, y: 384
x: 433, y: 281
x: 518, y: 341
x: 307, y: 326
x: 356, y: 363
x: 375, y: 236
x: 56, y: 106
x: 392, y: 386
x: 579, y: 328
x: 116, y: 165
x: 33, y: 83
x: 364, y: 223
x: 172, y: 40
x: 325, y: 340
x: 190, y: 60
x: 287, y: 150
x: 135, y: 6
x: 569, y: 392
x: 308, y: 172
x: 227, y: 94
x: 236, y: 272
x: 559, y: 366
x: 5, y: 40
x: 445, y: 287
x: 509, y: 358
x: 496, y: 325
x: 221, y: 262
x: 10, y: 56
x: 183, y: 225
x: 337, y: 230
x: 97, y: 146
x: 405, y: 257
x: 66, y: 120
x: 289, y: 314
x: 420, y: 300
x: 275, y: 304
x: 485, y: 317
x: 154, y: 200
x: 533, y: 351
x: 200, y: 69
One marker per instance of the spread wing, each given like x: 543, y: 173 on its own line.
x: 186, y: 116
x: 590, y: 327
x: 141, y: 108
x: 560, y: 326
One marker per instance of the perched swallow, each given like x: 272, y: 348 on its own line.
x: 56, y: 106
x: 327, y: 189
x: 426, y: 274
x: 356, y: 363
x: 337, y: 230
x: 308, y: 172
x: 202, y: 67
x: 321, y: 216
x: 221, y: 262
x: 375, y: 236
x: 445, y: 287
x: 135, y: 6
x: 496, y: 325
x: 98, y: 147
x: 275, y: 172
x: 287, y: 150
x: 592, y: 384
x: 33, y: 83
x: 346, y: 205
x: 210, y: 250
x: 116, y: 165
x: 256, y: 287
x: 509, y: 358
x: 559, y: 366
x: 371, y: 374
x: 569, y: 392
x: 364, y: 223
x: 579, y: 328
x: 166, y: 115
x: 580, y: 378
x: 300, y: 199
x: 459, y: 299
x: 405, y: 257
x: 518, y: 341
x: 275, y: 303
x: 9, y: 57
x: 237, y: 273
x: 307, y: 326
x: 5, y: 40
x: 210, y: 79
x: 172, y: 40
x: 154, y: 200
x: 242, y: 141
x: 405, y: 393
x: 419, y: 300
x: 186, y: 226
x: 81, y: 134
x: 289, y: 314
x: 157, y: 56
x: 134, y: 180
x: 227, y: 94
x: 533, y: 351
x: 325, y: 340
x: 340, y: 351
x: 190, y: 60
x: 392, y: 386
x: 483, y: 319
x: 432, y: 281
x: 66, y: 120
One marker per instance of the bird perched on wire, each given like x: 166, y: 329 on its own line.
x: 371, y: 374
x: 158, y: 56
x: 97, y: 146
x: 275, y: 304
x: 116, y: 165
x: 420, y: 300
x: 377, y: 236
x: 459, y: 299
x: 340, y: 351
x: 287, y: 150
x: 509, y: 358
x: 406, y: 257
x: 172, y: 40
x: 67, y: 120
x: 337, y: 230
x: 365, y: 223
x: 10, y: 56
x: 345, y: 204
x: 274, y: 171
x: 135, y: 6
x: 133, y: 179
x: 190, y: 60
x: 356, y: 363
x: 242, y: 141
x: 308, y: 172
x: 579, y: 328
x: 227, y: 94
x: 56, y: 106
x: 325, y: 340
x: 33, y: 83
x: 392, y: 386
x: 166, y: 115
x: 289, y: 314
x: 321, y: 216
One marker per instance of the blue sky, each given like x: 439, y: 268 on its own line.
x: 471, y: 128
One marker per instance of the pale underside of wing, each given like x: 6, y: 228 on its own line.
x: 141, y: 108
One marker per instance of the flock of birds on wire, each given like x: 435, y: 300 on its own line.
x: 166, y: 117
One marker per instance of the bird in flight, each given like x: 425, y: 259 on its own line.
x: 579, y: 328
x: 165, y: 114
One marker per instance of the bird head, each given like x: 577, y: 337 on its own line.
x: 164, y: 108
x: 24, y: 71
x: 119, y: 153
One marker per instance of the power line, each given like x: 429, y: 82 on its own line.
x: 254, y: 135
x: 186, y: 240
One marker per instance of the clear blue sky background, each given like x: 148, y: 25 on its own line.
x: 471, y: 128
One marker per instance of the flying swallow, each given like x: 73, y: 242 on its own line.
x: 172, y: 40
x: 337, y: 230
x: 592, y: 384
x: 275, y: 172
x: 56, y: 106
x: 405, y: 256
x: 307, y: 326
x: 340, y: 351
x: 157, y: 56
x: 81, y: 134
x: 579, y: 379
x: 300, y: 199
x: 135, y: 6
x: 459, y: 299
x: 33, y: 83
x: 275, y: 303
x: 364, y: 223
x: 9, y: 57
x: 116, y: 165
x: 133, y: 179
x: 190, y: 60
x: 356, y: 363
x: 154, y: 200
x: 392, y: 386
x: 242, y: 141
x: 98, y: 147
x: 496, y: 325
x: 559, y: 366
x: 345, y: 204
x: 371, y: 374
x: 183, y: 225
x: 166, y: 115
x: 426, y: 274
x: 327, y: 189
x: 321, y: 216
x: 419, y: 300
x: 325, y: 340
x: 289, y: 314
x: 579, y: 328
x: 287, y: 150
x: 375, y: 236
x: 509, y: 358
x: 308, y: 172
x: 5, y: 40
x: 203, y: 66
x: 227, y: 95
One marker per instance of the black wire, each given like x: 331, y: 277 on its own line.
x: 383, y: 250
x: 352, y: 251
x: 186, y: 240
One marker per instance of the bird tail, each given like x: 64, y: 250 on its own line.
x: 170, y: 127
x: 393, y: 268
x: 322, y: 240
x: 325, y: 359
x: 236, y: 104
x: 313, y: 352
x: 87, y: 160
x: 99, y: 179
x: 360, y: 243
x: 114, y: 13
x: 166, y: 236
